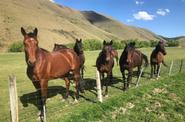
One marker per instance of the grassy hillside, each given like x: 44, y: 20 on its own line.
x: 88, y: 107
x: 180, y: 39
x: 59, y: 24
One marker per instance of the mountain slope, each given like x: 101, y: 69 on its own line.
x: 59, y: 24
x: 180, y: 39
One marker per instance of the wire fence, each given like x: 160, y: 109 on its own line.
x: 29, y: 102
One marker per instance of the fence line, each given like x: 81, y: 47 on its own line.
x: 175, y: 67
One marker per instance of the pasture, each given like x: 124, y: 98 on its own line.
x: 133, y: 105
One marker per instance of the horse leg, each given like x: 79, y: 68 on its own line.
x: 82, y: 72
x: 102, y: 79
x: 108, y: 80
x: 129, y: 77
x: 155, y: 70
x: 152, y: 71
x: 138, y: 70
x: 111, y: 78
x: 158, y: 70
x: 77, y: 81
x: 67, y: 82
x: 43, y: 93
x: 124, y: 82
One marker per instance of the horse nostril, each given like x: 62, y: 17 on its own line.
x: 31, y: 63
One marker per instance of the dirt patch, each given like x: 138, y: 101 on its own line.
x: 130, y: 105
x: 120, y: 110
x: 159, y: 91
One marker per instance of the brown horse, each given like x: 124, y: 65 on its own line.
x: 43, y: 66
x: 157, y: 57
x: 78, y: 48
x: 131, y: 58
x: 105, y: 63
x: 58, y: 47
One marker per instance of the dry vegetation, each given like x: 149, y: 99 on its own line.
x: 59, y: 24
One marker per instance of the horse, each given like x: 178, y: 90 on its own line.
x: 157, y: 58
x: 131, y: 58
x: 58, y: 47
x: 78, y: 48
x: 43, y: 66
x: 105, y: 63
x: 115, y: 55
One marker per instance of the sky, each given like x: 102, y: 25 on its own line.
x: 163, y: 17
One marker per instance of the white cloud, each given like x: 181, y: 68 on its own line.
x: 167, y: 10
x: 143, y: 15
x: 52, y: 1
x: 139, y: 2
x: 130, y: 20
x: 162, y: 12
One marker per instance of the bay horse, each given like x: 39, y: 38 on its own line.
x: 58, y: 47
x: 105, y: 63
x: 43, y: 66
x: 131, y: 58
x: 157, y: 58
x: 78, y: 48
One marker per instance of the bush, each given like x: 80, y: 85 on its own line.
x: 173, y: 43
x: 16, y: 47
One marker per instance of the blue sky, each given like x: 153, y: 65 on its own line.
x: 163, y: 17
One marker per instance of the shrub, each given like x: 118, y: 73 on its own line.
x: 173, y: 43
x: 16, y: 47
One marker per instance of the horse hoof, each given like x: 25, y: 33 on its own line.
x: 106, y: 96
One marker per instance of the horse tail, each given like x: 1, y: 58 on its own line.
x: 164, y: 64
x: 116, y: 59
x: 146, y: 60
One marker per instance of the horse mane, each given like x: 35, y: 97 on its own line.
x: 44, y: 50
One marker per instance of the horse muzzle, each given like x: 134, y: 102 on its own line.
x: 31, y: 63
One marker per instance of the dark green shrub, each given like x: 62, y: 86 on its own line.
x: 173, y: 43
x: 16, y: 47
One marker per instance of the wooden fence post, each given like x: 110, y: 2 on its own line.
x: 13, y: 98
x: 181, y: 65
x: 98, y: 84
x: 138, y: 79
x: 171, y: 66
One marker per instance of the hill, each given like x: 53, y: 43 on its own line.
x: 60, y: 24
x: 181, y: 40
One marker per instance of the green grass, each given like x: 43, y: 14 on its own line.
x: 88, y: 107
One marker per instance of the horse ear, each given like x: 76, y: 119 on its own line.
x: 80, y: 40
x: 111, y: 42
x: 23, y: 31
x: 35, y: 31
x: 104, y: 42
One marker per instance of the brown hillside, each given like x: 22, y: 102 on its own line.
x: 59, y: 24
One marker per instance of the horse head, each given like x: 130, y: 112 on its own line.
x: 129, y: 49
x: 78, y: 46
x: 107, y: 50
x: 30, y: 45
x: 161, y: 47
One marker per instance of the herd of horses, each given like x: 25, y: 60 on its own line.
x: 63, y: 62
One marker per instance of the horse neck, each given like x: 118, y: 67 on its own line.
x: 78, y: 51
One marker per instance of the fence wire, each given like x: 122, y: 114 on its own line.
x: 28, y: 103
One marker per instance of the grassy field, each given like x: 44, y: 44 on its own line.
x: 153, y: 100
